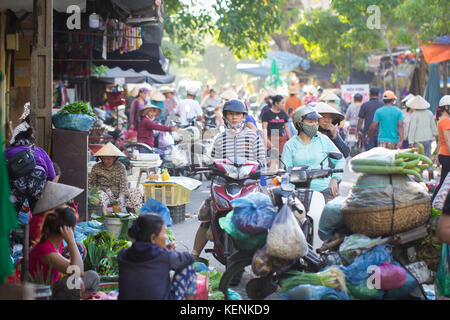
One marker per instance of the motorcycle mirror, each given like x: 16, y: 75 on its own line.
x: 335, y: 155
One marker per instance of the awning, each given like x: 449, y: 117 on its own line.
x: 27, y: 5
x: 131, y: 76
x: 436, y: 53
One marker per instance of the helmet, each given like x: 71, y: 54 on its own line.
x: 445, y: 101
x: 234, y: 105
x: 322, y: 107
x: 389, y: 95
x: 305, y: 112
x: 192, y: 91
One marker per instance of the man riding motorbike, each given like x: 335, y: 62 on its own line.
x: 236, y: 141
x: 309, y: 148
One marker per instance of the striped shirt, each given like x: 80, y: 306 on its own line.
x: 246, y: 144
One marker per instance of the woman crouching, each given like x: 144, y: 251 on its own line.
x: 144, y: 268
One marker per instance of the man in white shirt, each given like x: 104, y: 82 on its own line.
x: 211, y: 100
x: 189, y: 108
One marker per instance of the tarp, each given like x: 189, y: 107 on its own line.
x: 436, y: 53
x: 433, y: 90
x: 131, y: 76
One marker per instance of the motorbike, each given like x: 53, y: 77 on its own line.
x: 210, y: 118
x: 294, y: 190
x: 229, y: 180
x: 352, y: 141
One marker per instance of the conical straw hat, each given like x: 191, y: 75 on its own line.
x: 55, y: 194
x: 157, y: 96
x: 327, y: 96
x: 109, y: 150
x: 418, y: 103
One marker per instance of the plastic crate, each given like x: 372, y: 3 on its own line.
x: 170, y: 194
x: 178, y: 213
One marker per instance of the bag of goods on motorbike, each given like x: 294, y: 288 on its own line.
x: 312, y: 292
x: 253, y: 213
x: 347, y: 249
x: 243, y: 241
x: 331, y: 277
x: 439, y: 199
x: 357, y: 272
x: 409, y: 286
x: 380, y: 205
x: 165, y: 139
x: 286, y: 239
x: 331, y: 218
x: 442, y: 279
x: 391, y: 276
x: 263, y: 263
x: 363, y: 292
x: 384, y: 161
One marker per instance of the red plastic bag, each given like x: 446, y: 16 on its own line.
x: 391, y: 276
x: 202, y: 287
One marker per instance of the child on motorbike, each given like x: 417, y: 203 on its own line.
x: 236, y: 141
x: 309, y: 148
x: 144, y: 268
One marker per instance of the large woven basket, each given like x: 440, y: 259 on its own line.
x: 76, y: 122
x: 377, y: 221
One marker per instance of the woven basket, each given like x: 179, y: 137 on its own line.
x: 76, y: 122
x: 377, y: 221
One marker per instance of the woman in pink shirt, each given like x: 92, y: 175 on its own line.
x: 58, y: 226
x: 147, y: 125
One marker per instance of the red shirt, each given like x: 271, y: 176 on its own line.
x: 145, y: 132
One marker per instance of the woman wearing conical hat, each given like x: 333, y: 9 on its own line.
x: 109, y: 173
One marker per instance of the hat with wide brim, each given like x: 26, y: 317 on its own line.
x: 294, y: 89
x: 54, y: 195
x: 157, y: 96
x: 418, y: 103
x: 329, y: 96
x: 408, y: 97
x: 229, y: 95
x: 322, y: 107
x: 109, y: 150
x: 149, y: 106
x: 167, y: 89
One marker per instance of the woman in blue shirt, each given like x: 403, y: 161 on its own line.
x: 309, y: 148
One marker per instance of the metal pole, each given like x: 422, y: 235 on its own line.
x: 25, y: 250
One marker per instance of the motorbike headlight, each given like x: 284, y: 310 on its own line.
x: 245, y: 171
x: 231, y: 171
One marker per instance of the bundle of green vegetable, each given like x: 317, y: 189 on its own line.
x: 77, y: 107
x: 408, y: 161
x: 332, y: 277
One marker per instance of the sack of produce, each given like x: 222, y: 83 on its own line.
x: 409, y: 286
x: 253, y: 213
x: 363, y: 292
x: 286, y: 239
x: 243, y: 241
x: 347, y: 249
x: 384, y: 161
x: 311, y: 292
x: 369, y: 207
x: 331, y: 277
x: 331, y: 218
x: 357, y: 271
x: 391, y: 276
x: 263, y: 264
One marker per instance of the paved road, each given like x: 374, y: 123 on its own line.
x: 185, y: 232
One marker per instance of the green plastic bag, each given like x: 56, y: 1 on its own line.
x: 362, y: 292
x: 442, y: 280
x: 243, y: 241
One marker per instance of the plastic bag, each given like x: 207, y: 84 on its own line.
x: 378, y: 153
x: 204, y: 212
x: 152, y: 205
x: 391, y: 276
x: 358, y: 271
x: 362, y: 292
x: 263, y: 263
x: 311, y: 292
x: 202, y: 286
x: 331, y: 218
x: 243, y: 241
x: 355, y: 241
x: 179, y: 158
x: 286, y: 239
x: 165, y: 139
x: 439, y: 200
x: 409, y: 286
x: 253, y: 213
x: 442, y: 280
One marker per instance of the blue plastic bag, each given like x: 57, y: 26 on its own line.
x: 152, y: 205
x: 311, y: 292
x: 358, y: 271
x: 253, y: 213
x: 332, y: 218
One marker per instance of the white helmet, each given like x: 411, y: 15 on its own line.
x: 192, y: 91
x: 445, y: 101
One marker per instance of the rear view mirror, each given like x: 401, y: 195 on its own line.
x: 335, y: 155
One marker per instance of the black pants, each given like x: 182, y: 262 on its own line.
x: 445, y: 163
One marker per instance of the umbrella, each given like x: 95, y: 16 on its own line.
x: 8, y: 219
x: 275, y: 80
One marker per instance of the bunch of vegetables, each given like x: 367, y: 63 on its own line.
x: 102, y: 250
x: 94, y: 198
x: 78, y: 107
x: 331, y: 277
x: 408, y: 161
